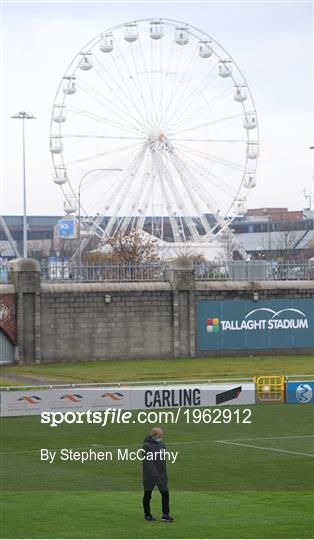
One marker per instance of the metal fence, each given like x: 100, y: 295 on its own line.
x: 206, y: 271
x: 150, y: 383
x: 67, y: 270
x: 91, y: 272
x: 4, y: 274
x: 253, y: 271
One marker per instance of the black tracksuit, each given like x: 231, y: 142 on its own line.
x: 155, y: 474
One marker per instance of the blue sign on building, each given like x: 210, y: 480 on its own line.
x: 300, y: 392
x: 67, y: 228
x: 262, y: 324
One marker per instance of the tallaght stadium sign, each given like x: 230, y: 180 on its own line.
x: 278, y: 320
x: 262, y: 324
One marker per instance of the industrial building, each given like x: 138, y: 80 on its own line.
x: 270, y: 233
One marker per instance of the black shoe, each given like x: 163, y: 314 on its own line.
x: 166, y: 517
x: 149, y: 517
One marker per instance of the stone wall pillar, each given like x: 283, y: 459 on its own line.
x: 25, y: 276
x: 181, y: 276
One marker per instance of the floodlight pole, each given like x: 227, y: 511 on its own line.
x: 24, y: 116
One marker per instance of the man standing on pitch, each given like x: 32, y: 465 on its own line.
x: 155, y: 474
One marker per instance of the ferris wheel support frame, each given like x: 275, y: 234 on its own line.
x: 162, y: 166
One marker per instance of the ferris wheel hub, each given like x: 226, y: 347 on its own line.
x: 158, y: 142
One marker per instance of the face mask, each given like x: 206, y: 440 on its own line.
x: 158, y: 439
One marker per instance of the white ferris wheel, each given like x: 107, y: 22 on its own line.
x: 158, y: 119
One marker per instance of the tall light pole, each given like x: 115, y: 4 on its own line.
x: 79, y: 203
x: 24, y: 116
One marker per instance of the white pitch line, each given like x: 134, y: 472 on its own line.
x: 168, y: 444
x: 269, y: 438
x: 39, y: 449
x: 266, y: 448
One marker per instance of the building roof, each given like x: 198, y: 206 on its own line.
x: 275, y: 240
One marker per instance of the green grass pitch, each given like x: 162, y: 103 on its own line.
x: 161, y: 369
x: 220, y: 486
x: 238, y: 481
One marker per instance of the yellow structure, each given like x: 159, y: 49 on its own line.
x: 270, y: 388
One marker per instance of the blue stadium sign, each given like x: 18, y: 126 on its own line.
x: 248, y: 324
x: 67, y: 228
x: 300, y: 392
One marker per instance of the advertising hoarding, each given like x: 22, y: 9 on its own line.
x: 33, y: 402
x: 300, y: 392
x: 249, y: 324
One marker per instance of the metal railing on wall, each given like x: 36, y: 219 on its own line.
x: 4, y: 273
x: 129, y: 384
x: 206, y: 271
x: 254, y: 271
x: 66, y: 270
x: 92, y: 272
x: 152, y: 383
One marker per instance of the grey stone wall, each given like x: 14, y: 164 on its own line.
x: 62, y: 322
x: 108, y: 323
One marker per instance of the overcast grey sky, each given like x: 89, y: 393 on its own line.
x: 271, y: 42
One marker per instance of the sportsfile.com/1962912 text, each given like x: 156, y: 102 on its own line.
x: 217, y: 415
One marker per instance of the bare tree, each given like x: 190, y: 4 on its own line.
x: 225, y: 253
x: 65, y: 247
x: 286, y: 243
x: 135, y: 247
x: 185, y: 252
